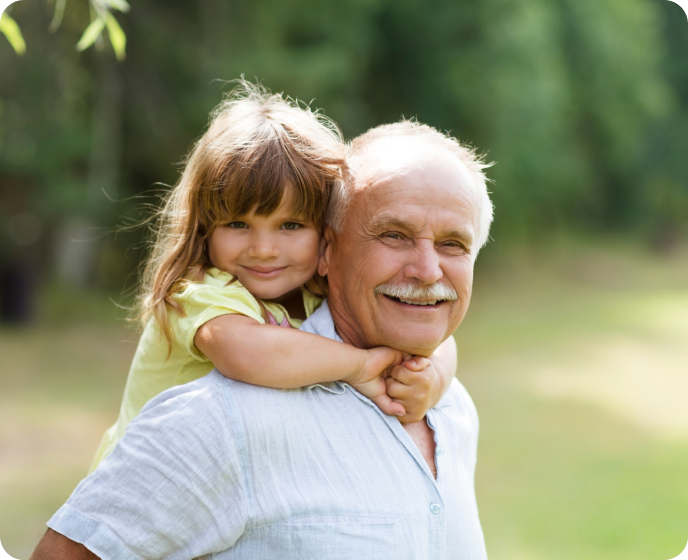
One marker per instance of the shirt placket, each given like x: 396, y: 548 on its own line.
x: 435, y: 510
x: 437, y: 522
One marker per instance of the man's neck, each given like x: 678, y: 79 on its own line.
x: 344, y: 327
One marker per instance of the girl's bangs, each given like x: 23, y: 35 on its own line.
x: 271, y: 179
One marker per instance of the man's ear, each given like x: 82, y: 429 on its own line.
x: 324, y: 251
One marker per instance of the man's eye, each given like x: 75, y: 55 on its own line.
x: 393, y: 235
x: 237, y: 225
x: 291, y: 225
x: 454, y: 246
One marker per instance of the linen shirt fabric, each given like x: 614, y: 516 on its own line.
x: 225, y: 470
x: 157, y: 366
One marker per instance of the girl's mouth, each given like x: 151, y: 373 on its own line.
x: 264, y: 271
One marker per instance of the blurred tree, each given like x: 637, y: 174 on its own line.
x: 666, y: 196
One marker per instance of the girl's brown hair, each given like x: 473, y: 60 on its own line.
x: 258, y: 147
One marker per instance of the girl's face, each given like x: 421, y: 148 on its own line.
x: 270, y: 255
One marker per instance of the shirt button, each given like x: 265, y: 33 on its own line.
x: 435, y: 508
x: 439, y: 451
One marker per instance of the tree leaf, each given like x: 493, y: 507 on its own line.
x: 57, y: 16
x: 14, y: 35
x: 121, y: 5
x: 117, y: 37
x: 92, y: 32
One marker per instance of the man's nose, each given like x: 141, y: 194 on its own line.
x: 424, y: 265
x: 263, y: 247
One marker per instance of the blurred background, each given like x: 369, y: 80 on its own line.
x: 575, y: 349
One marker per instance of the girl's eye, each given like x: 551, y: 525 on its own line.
x: 291, y: 225
x: 237, y: 225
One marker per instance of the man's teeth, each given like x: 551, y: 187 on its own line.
x: 412, y: 302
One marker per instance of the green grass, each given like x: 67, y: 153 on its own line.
x: 581, y: 382
x: 577, y: 363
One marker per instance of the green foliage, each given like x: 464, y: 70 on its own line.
x: 583, y: 104
x: 58, y: 15
x: 14, y: 35
x: 92, y: 33
x: 102, y: 18
x: 117, y: 37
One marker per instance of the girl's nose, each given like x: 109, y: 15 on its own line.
x: 262, y: 247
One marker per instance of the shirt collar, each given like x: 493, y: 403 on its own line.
x: 321, y: 323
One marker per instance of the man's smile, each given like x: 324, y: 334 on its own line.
x: 433, y: 304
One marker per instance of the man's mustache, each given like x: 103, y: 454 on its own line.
x: 414, y: 292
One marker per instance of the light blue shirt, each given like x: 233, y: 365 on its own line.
x: 221, y: 469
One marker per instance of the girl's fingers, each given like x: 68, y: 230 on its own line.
x: 388, y: 406
x: 398, y: 391
x: 416, y: 363
x: 406, y: 375
x: 399, y: 373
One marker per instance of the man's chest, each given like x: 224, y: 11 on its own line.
x: 342, y: 481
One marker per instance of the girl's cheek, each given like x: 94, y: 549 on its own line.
x: 310, y: 256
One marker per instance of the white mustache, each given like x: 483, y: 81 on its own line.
x: 412, y: 292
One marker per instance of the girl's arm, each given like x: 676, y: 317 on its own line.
x: 272, y: 356
x: 419, y: 383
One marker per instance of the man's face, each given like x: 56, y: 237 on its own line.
x: 406, y: 237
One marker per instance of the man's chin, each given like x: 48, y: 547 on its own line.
x: 411, y: 328
x: 418, y: 346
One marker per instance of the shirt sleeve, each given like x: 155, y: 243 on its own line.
x: 172, y: 488
x: 203, y: 303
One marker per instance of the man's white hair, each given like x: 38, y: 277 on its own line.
x: 358, y: 148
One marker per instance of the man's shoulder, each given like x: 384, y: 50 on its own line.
x: 207, y: 388
x: 194, y: 404
x: 189, y: 420
x: 211, y: 395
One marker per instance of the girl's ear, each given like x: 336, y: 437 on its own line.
x: 324, y: 251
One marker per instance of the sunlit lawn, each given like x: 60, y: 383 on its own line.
x: 577, y: 362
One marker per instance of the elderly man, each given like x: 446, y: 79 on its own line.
x: 221, y: 469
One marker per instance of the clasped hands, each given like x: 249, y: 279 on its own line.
x: 399, y: 384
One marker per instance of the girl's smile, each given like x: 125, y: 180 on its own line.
x: 265, y: 271
x: 270, y: 255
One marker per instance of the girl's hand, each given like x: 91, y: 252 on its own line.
x: 370, y: 379
x: 416, y: 385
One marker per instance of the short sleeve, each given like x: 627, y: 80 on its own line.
x: 172, y: 488
x: 202, y: 302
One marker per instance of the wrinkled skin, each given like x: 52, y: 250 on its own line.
x: 411, y: 220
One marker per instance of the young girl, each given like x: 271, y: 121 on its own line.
x: 237, y: 247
